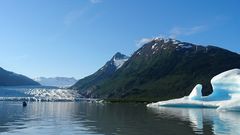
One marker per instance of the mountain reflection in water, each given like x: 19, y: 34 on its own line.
x: 120, y: 119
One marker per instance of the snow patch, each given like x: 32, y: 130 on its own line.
x: 175, y: 41
x: 166, y: 40
x: 158, y: 38
x: 185, y: 46
x: 119, y: 62
x: 153, y: 46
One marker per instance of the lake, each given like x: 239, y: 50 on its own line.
x: 89, y: 118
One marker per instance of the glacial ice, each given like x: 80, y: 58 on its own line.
x: 53, y: 94
x: 38, y: 94
x: 196, y: 92
x: 225, y: 95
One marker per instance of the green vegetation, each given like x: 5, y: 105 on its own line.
x: 165, y: 74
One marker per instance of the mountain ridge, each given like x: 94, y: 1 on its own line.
x: 56, y: 81
x: 91, y: 82
x: 165, y: 68
x: 8, y: 78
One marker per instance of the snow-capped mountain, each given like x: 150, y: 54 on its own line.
x: 115, y: 63
x: 158, y: 45
x: 91, y: 82
x: 162, y: 69
x: 56, y: 81
x: 119, y: 59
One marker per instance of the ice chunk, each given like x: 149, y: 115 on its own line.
x: 231, y: 105
x: 227, y: 81
x: 225, y: 95
x: 225, y: 85
x: 196, y: 93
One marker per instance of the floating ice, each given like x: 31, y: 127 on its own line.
x: 225, y: 95
x: 196, y: 92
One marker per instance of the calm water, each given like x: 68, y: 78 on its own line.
x: 112, y: 119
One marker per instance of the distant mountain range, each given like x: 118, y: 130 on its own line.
x: 8, y: 78
x: 161, y: 69
x: 56, y: 81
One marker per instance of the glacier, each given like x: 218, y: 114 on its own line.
x: 41, y: 93
x: 225, y: 95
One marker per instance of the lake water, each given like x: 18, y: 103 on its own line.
x: 112, y: 119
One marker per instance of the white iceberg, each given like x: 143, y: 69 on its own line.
x: 196, y: 92
x: 225, y: 95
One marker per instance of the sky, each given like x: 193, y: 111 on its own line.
x: 74, y: 38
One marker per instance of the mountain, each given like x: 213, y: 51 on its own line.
x: 8, y: 78
x: 56, y: 81
x: 90, y: 83
x: 165, y: 69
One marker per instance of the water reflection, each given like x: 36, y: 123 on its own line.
x: 129, y: 119
x: 115, y: 119
x: 85, y: 118
x: 39, y: 118
x: 221, y: 123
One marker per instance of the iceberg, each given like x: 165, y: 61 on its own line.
x: 225, y: 95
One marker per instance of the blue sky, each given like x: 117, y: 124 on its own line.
x: 74, y: 38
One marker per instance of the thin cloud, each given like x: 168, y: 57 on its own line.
x: 96, y: 1
x: 143, y: 41
x: 174, y: 33
x: 180, y: 31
